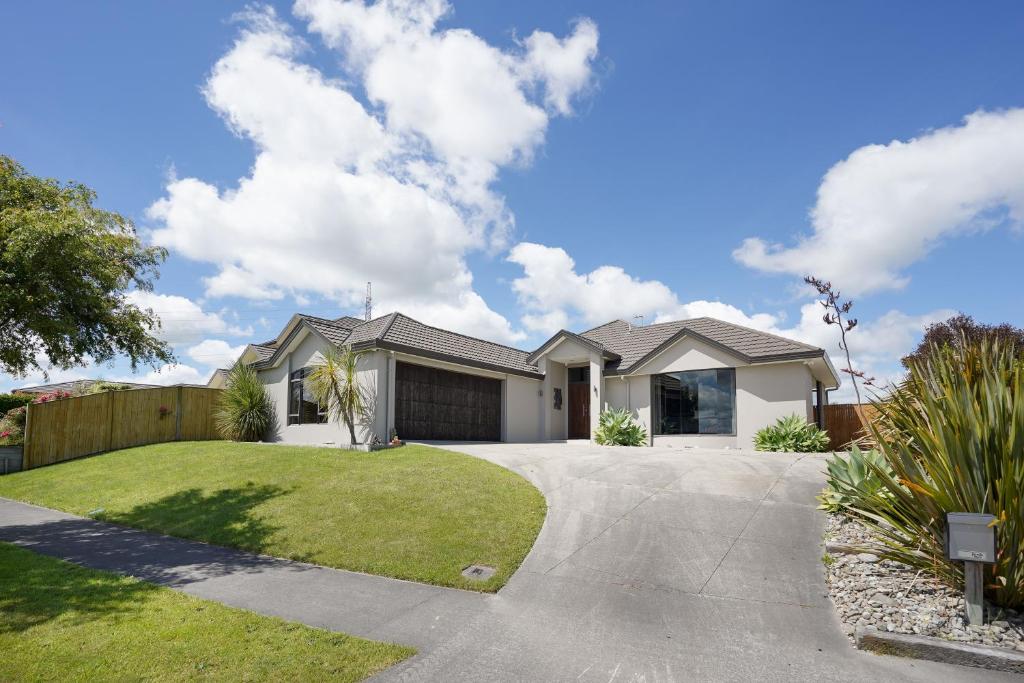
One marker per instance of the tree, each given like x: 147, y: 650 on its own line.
x: 335, y: 384
x: 835, y: 309
x: 65, y: 270
x: 962, y: 329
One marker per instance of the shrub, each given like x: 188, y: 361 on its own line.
x: 101, y: 387
x: 851, y: 476
x: 52, y: 396
x: 792, y: 434
x: 12, y: 427
x: 615, y: 427
x: 9, y: 401
x: 953, y: 435
x: 244, y: 411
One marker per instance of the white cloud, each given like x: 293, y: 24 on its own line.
x: 886, y: 206
x: 396, y: 191
x: 556, y: 296
x: 215, y: 353
x: 182, y: 320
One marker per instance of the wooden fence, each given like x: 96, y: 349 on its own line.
x: 846, y: 422
x: 75, y: 427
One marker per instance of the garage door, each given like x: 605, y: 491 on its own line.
x: 450, y: 406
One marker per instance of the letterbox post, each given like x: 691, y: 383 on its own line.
x: 971, y: 539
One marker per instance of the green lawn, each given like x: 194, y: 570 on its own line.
x: 415, y: 513
x: 62, y: 622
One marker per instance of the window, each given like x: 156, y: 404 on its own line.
x: 579, y: 375
x: 695, y: 402
x: 302, y: 407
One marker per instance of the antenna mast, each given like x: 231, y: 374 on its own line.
x: 369, y: 303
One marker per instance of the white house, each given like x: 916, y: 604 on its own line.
x: 699, y: 382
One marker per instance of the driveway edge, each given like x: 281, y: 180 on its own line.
x: 939, y: 650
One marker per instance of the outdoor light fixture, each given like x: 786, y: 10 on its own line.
x: 971, y: 539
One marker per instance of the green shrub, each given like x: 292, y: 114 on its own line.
x: 101, y: 387
x: 615, y: 427
x: 791, y: 434
x: 953, y: 435
x: 12, y: 427
x: 245, y: 411
x: 851, y: 476
x: 8, y: 401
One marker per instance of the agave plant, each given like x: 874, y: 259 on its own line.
x: 953, y: 435
x: 335, y: 384
x: 851, y: 476
x: 245, y: 411
x: 791, y: 434
x: 615, y: 427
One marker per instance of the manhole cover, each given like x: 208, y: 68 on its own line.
x: 478, y: 572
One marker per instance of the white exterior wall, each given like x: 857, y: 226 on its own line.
x: 522, y: 419
x: 764, y: 393
x: 557, y: 420
x: 307, y: 352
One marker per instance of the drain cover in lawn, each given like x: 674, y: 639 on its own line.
x: 478, y: 572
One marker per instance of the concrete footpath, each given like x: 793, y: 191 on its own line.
x: 653, y: 564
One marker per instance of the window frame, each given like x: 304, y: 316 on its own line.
x: 297, y: 378
x: 656, y: 411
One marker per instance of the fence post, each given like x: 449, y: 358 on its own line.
x: 110, y: 423
x: 177, y: 416
x: 26, y: 451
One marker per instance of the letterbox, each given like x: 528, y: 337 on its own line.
x: 970, y: 538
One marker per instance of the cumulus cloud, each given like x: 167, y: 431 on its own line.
x: 215, y: 353
x: 176, y: 373
x: 886, y: 206
x: 394, y: 190
x: 183, y: 320
x: 556, y: 296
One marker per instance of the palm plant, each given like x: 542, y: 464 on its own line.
x: 953, y: 435
x: 335, y: 385
x: 245, y: 411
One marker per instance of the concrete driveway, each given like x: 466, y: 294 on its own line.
x: 665, y: 565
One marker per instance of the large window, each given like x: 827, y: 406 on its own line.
x: 695, y: 402
x: 302, y: 407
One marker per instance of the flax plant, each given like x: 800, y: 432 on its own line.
x: 953, y: 435
x: 335, y: 384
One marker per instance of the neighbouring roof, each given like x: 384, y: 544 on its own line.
x: 625, y: 347
x: 77, y: 386
x: 637, y: 344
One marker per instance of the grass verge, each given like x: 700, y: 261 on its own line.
x: 62, y: 622
x: 416, y: 513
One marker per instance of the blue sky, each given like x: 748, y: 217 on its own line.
x: 644, y: 141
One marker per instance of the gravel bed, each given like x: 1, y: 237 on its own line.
x: 890, y: 596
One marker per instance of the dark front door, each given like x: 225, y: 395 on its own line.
x: 436, y: 404
x: 579, y: 410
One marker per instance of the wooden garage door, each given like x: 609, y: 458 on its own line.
x: 451, y: 406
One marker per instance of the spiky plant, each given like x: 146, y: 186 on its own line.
x: 615, y: 427
x: 850, y: 476
x: 792, y: 434
x: 953, y: 435
x: 244, y: 410
x: 335, y: 384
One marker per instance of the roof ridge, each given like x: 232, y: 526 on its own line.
x: 331, y: 321
x: 460, y: 334
x: 610, y: 322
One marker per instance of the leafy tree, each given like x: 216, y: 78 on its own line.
x: 65, y: 269
x: 962, y: 329
x: 335, y: 384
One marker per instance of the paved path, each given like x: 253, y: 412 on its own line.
x: 653, y: 565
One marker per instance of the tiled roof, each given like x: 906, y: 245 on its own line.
x: 406, y: 332
x: 263, y: 351
x: 635, y: 343
x: 335, y: 330
x: 348, y: 321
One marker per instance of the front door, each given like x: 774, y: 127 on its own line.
x: 579, y: 410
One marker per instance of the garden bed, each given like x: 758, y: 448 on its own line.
x: 868, y: 591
